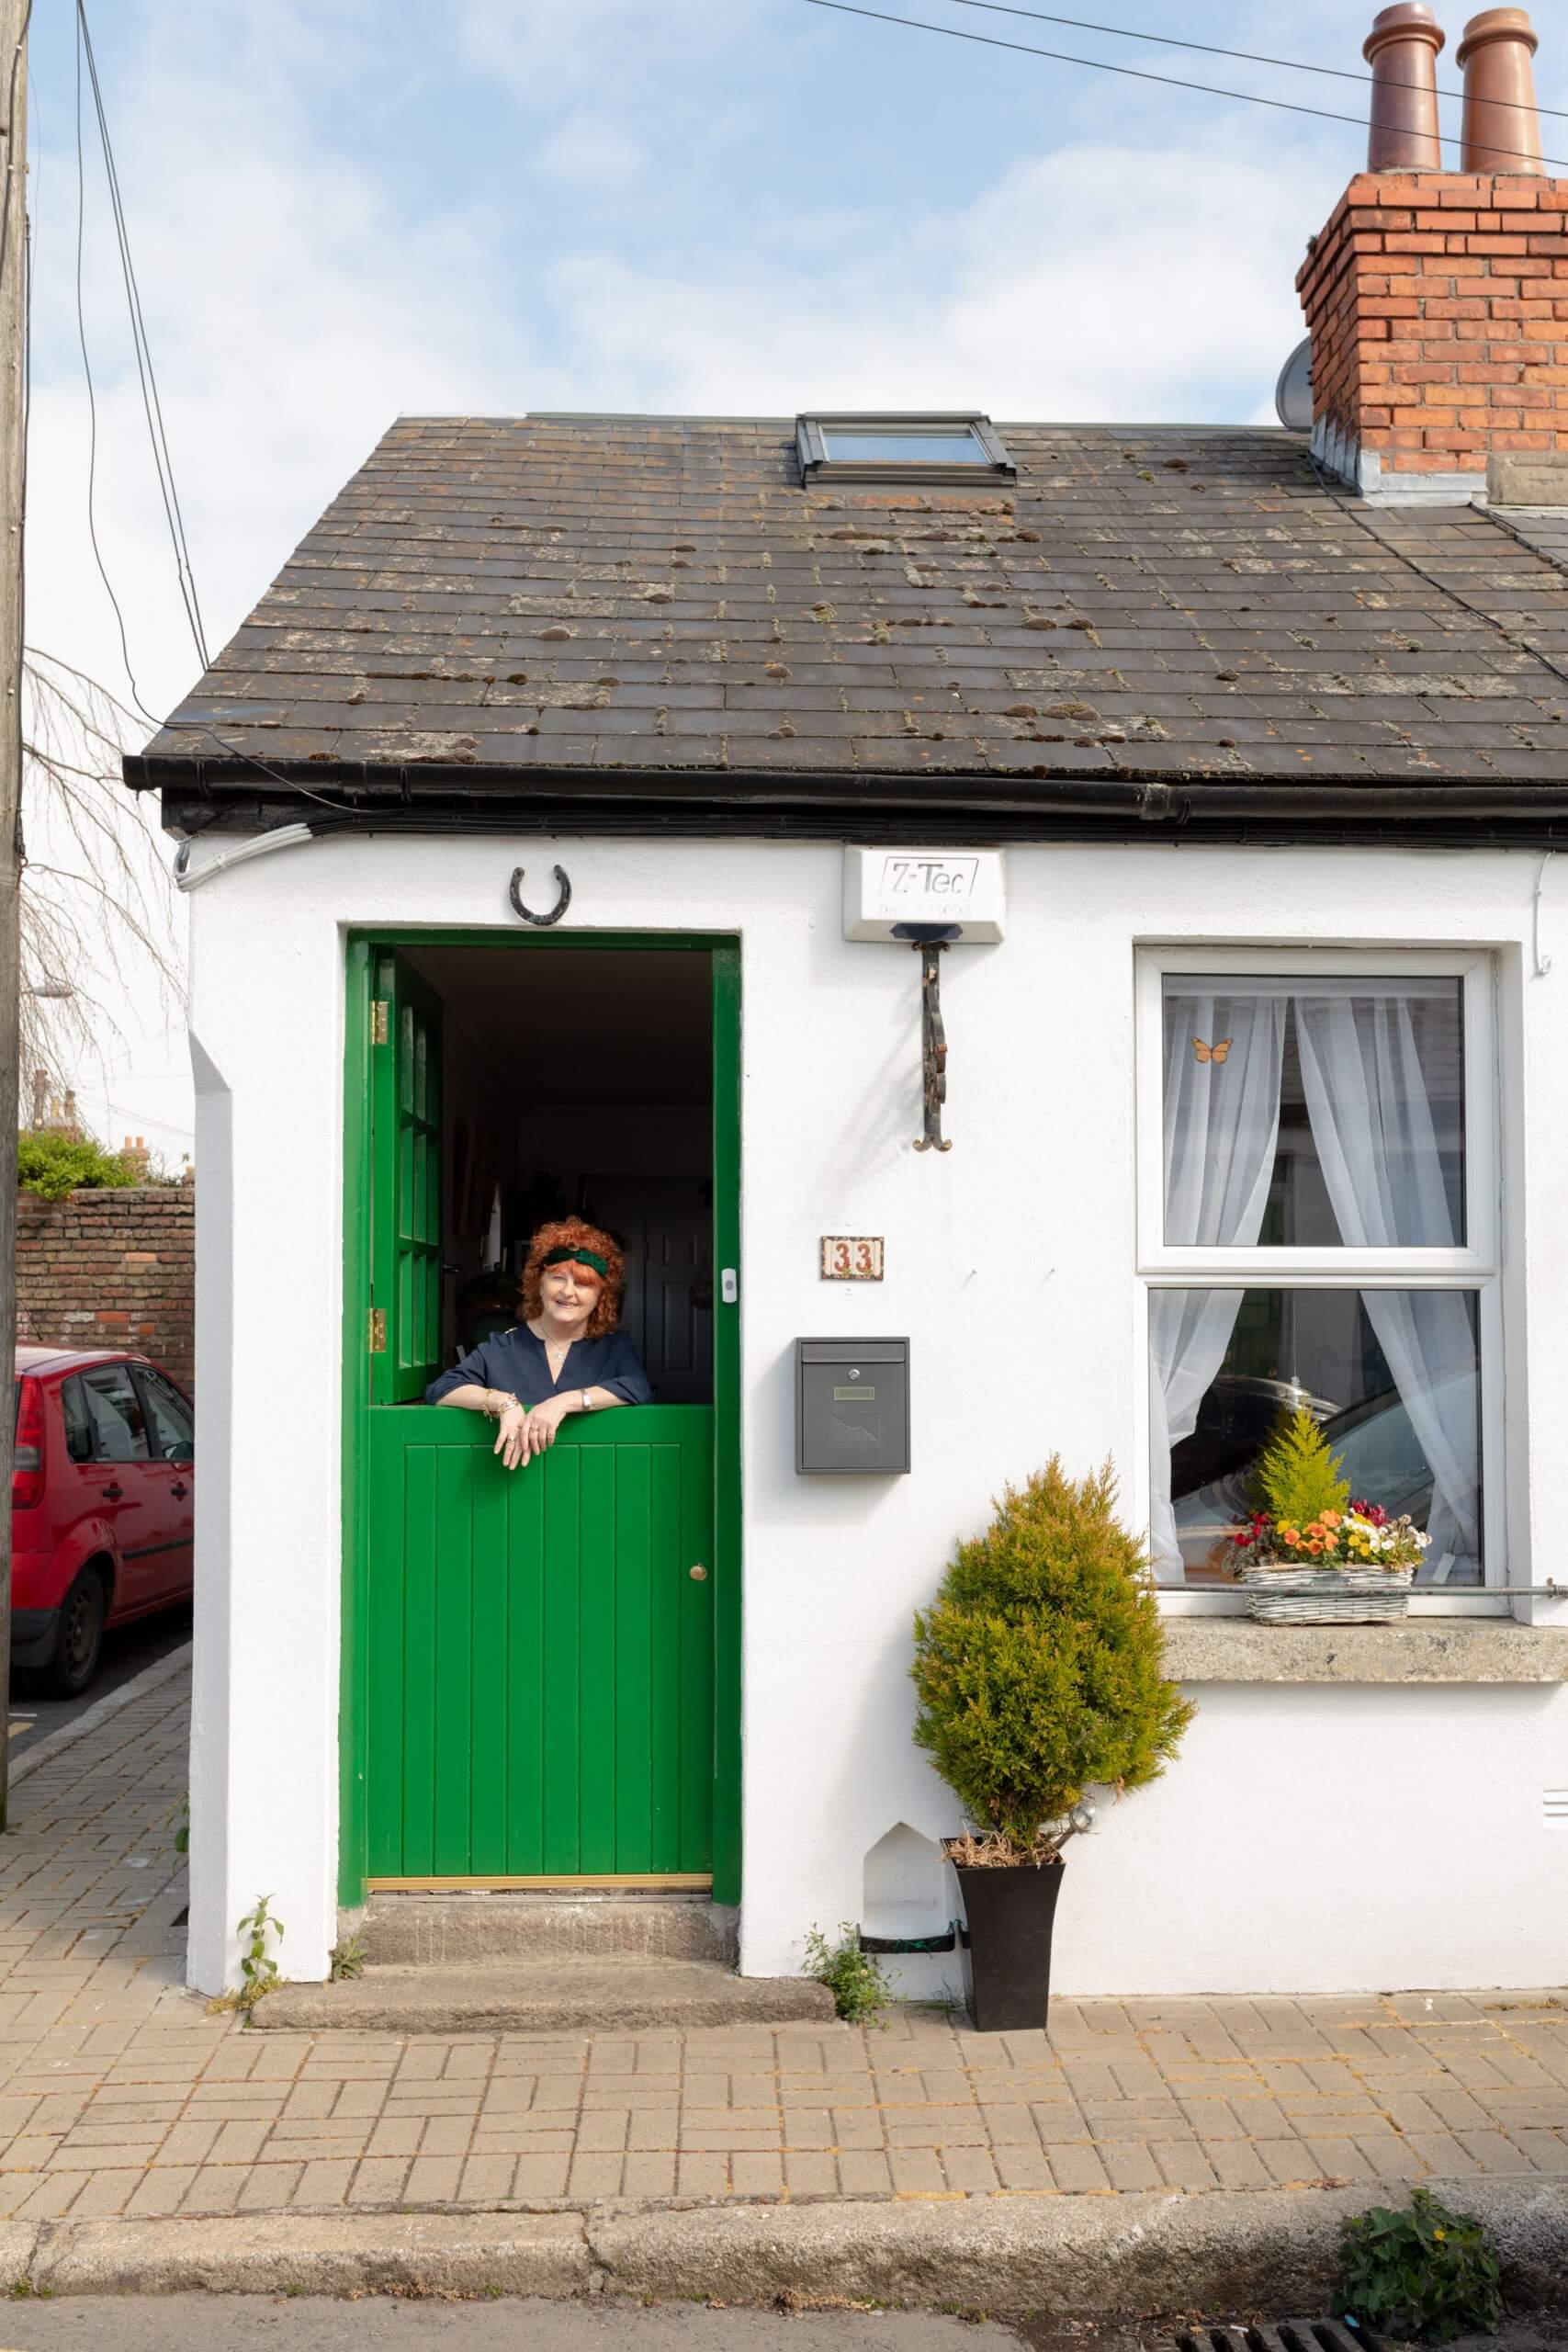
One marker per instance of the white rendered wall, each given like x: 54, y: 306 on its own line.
x: 1308, y: 1837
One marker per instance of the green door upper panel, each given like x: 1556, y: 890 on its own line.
x: 405, y: 1142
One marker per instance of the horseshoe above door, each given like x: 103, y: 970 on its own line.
x: 542, y: 922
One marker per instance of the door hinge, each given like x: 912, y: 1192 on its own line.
x: 377, y: 1343
x: 381, y: 1022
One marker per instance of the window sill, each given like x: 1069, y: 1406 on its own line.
x: 1420, y: 1649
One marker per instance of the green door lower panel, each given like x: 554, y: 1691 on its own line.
x: 540, y: 1657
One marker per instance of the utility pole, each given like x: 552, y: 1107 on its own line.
x: 14, y: 264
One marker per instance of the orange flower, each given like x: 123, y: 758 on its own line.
x: 1331, y: 1542
x: 1289, y: 1535
x: 1314, y: 1545
x: 1331, y: 1519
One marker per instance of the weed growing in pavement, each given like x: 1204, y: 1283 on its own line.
x: 347, y: 1958
x: 22, y: 2291
x: 1423, y: 2272
x: 179, y: 1822
x: 861, y: 1991
x: 257, y: 1967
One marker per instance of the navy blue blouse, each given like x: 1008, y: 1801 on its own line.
x: 515, y: 1361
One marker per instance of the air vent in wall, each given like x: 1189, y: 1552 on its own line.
x: 1555, y: 1805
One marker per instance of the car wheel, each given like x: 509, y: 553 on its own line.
x: 79, y: 1642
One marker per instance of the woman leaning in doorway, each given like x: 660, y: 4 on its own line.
x: 565, y: 1356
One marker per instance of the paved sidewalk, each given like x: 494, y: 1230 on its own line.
x: 120, y: 2096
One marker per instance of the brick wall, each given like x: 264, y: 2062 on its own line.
x: 111, y: 1270
x: 1437, y: 305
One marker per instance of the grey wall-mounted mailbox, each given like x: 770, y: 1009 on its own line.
x: 852, y: 1406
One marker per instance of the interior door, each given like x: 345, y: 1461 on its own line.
x: 405, y: 1143
x: 666, y: 1222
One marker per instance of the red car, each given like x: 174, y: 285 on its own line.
x: 102, y: 1508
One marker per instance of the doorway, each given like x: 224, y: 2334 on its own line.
x: 541, y: 1667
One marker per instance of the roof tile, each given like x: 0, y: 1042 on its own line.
x: 660, y: 594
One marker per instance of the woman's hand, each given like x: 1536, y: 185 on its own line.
x: 524, y: 1434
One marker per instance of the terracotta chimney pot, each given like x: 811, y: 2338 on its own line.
x: 1402, y: 50
x: 1502, y: 126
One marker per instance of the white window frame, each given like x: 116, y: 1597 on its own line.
x: 1477, y: 1266
x: 814, y: 427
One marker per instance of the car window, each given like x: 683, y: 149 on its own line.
x: 172, y: 1427
x: 114, y: 1410
x: 78, y: 1428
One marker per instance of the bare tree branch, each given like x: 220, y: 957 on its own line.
x: 99, y: 921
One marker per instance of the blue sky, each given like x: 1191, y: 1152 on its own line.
x: 350, y: 208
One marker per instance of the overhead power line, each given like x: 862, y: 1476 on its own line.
x: 151, y: 402
x: 152, y: 407
x: 1242, y: 56
x: 1141, y: 73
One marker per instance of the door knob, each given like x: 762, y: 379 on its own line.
x: 181, y: 1492
x: 698, y: 1575
x: 112, y: 1493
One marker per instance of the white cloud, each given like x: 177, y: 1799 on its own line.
x: 592, y: 152
x: 551, y: 52
x: 1096, y: 283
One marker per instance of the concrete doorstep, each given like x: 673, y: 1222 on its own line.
x: 619, y: 1995
x: 1068, y: 2256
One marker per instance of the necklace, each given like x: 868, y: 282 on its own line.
x: 556, y: 1352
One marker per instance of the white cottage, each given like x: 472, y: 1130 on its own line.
x: 589, y: 819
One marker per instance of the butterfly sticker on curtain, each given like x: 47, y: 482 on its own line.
x: 1215, y: 1053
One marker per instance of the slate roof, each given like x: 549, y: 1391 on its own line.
x: 590, y: 609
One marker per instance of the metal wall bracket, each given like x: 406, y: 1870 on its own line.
x: 933, y: 1044
x: 542, y: 922
x: 944, y: 1941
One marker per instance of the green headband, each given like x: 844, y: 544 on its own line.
x: 580, y: 1258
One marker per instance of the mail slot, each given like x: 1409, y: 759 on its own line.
x: 852, y: 1406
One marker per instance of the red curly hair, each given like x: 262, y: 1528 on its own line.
x: 572, y: 1233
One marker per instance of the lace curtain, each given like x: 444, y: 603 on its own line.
x: 1372, y: 1122
x: 1219, y: 1154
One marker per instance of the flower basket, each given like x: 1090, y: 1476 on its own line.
x: 1291, y: 1595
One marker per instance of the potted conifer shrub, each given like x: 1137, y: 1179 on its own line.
x: 1040, y: 1671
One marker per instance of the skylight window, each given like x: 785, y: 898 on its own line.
x: 901, y: 447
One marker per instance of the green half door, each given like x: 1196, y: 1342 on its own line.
x: 534, y: 1674
x: 541, y: 1656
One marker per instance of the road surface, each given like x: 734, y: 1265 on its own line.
x: 258, y: 2323
x: 127, y: 1653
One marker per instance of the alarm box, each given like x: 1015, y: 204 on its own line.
x: 851, y: 1407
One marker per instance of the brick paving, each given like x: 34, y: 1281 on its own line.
x: 120, y: 2095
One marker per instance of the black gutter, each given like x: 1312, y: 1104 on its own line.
x: 202, y: 796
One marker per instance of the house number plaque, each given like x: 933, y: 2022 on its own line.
x: 852, y: 1258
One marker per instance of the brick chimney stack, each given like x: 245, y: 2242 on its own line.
x: 1438, y: 301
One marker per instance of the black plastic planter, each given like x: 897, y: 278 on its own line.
x: 1008, y: 1947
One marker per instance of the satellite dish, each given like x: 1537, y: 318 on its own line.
x: 1292, y: 393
